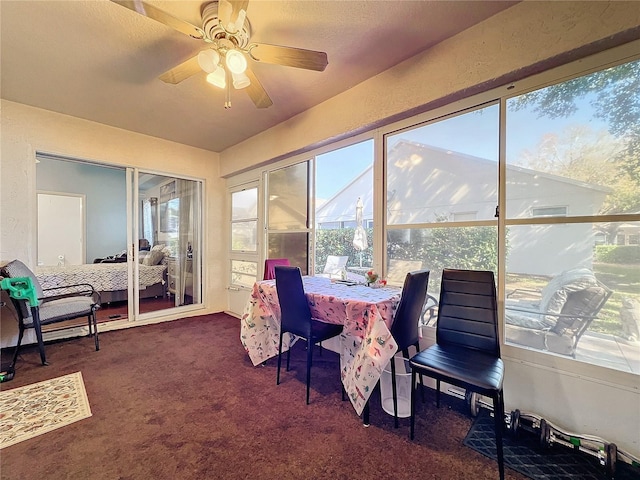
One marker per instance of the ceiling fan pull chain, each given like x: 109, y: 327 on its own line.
x: 227, y: 93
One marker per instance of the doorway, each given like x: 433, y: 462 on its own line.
x: 61, y: 227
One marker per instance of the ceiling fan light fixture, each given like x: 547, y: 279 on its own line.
x: 236, y: 61
x: 240, y: 80
x: 217, y: 78
x: 208, y: 60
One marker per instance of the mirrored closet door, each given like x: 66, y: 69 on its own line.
x: 135, y: 236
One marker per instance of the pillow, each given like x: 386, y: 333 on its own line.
x: 167, y: 255
x: 154, y: 257
x: 142, y: 254
x: 555, y: 294
x: 159, y: 246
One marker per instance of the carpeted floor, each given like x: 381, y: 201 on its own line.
x: 181, y: 400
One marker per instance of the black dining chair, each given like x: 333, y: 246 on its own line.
x: 467, y: 349
x: 295, y: 317
x: 405, y: 326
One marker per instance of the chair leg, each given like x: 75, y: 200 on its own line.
x: 394, y: 391
x: 15, y: 353
x: 93, y: 326
x: 38, y: 328
x: 438, y: 393
x: 413, y: 403
x: 417, y: 345
x: 498, y: 414
x: 309, y: 360
x: 95, y: 330
x: 279, y: 360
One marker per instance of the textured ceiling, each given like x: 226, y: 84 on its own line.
x: 99, y: 61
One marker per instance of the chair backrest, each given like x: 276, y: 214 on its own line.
x: 15, y: 269
x: 398, y: 269
x: 295, y: 314
x: 582, y: 306
x: 405, y: 328
x: 468, y: 311
x: 556, y: 293
x: 270, y: 264
x: 335, y: 264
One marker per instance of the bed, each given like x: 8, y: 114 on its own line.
x: 110, y: 279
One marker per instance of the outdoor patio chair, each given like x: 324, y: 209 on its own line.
x: 555, y: 318
x: 65, y: 302
x: 398, y: 269
x: 334, y: 266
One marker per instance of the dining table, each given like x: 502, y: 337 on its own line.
x: 365, y: 344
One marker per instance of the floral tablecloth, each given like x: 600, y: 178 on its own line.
x: 366, y: 343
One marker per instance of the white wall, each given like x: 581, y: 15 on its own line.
x: 26, y: 130
x: 525, y: 39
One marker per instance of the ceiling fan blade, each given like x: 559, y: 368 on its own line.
x: 231, y: 14
x: 148, y: 10
x: 182, y: 71
x: 288, y: 56
x: 257, y: 92
x: 239, y: 14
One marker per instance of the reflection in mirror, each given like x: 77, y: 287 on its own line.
x: 171, y: 217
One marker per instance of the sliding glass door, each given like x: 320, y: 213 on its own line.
x: 168, y: 242
x: 135, y: 236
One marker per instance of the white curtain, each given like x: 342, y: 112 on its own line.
x: 150, y: 220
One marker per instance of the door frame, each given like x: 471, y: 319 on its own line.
x: 83, y: 220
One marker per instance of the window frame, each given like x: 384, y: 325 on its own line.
x: 244, y: 255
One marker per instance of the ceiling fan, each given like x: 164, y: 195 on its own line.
x: 226, y: 32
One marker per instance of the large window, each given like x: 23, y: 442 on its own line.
x: 572, y: 201
x: 540, y: 186
x: 244, y: 236
x: 244, y: 220
x: 288, y: 213
x: 442, y: 193
x: 344, y: 209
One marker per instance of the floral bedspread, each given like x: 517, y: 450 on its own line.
x: 104, y: 277
x: 366, y: 343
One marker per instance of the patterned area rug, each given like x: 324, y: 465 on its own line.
x: 525, y: 455
x: 32, y: 410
